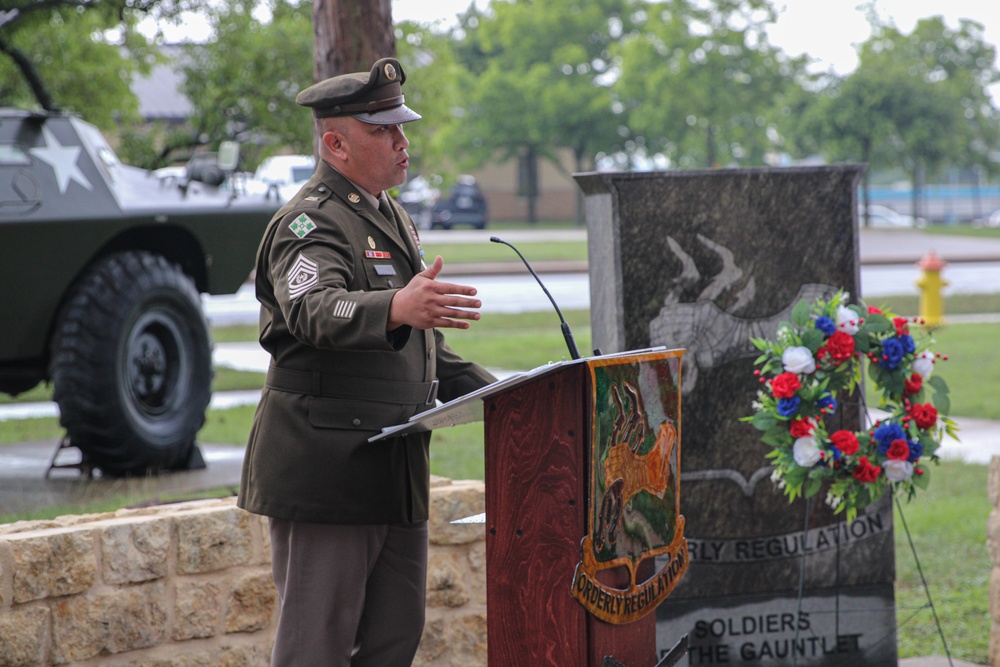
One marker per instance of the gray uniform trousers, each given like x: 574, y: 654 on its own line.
x: 350, y: 595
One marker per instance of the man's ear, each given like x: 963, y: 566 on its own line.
x: 335, y: 142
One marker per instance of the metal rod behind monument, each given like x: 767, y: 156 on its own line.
x: 567, y: 332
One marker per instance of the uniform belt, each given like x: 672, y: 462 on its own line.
x: 327, y: 385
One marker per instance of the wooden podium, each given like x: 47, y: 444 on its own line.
x: 582, y: 507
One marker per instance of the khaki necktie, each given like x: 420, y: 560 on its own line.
x: 386, y: 210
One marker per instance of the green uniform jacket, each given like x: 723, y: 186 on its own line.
x: 327, y: 268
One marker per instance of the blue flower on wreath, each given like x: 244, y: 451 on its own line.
x: 827, y: 402
x: 909, y: 347
x: 886, y: 433
x: 788, y: 406
x: 834, y: 455
x: 892, y: 354
x: 916, y: 451
x: 826, y: 325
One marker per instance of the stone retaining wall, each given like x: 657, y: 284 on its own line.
x: 189, y: 585
x: 993, y: 543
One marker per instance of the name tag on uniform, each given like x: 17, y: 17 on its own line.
x: 385, y: 269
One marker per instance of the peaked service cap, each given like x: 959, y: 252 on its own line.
x: 374, y: 97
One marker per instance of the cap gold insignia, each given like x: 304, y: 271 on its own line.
x: 354, y: 197
x: 390, y: 72
x: 371, y: 243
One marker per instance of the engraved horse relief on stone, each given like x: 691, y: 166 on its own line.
x: 712, y: 335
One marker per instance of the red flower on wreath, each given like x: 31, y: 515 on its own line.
x: 924, y: 414
x: 872, y: 310
x: 785, y: 385
x: 845, y: 441
x: 840, y: 347
x: 902, y: 325
x: 800, y: 428
x: 865, y: 472
x: 899, y: 450
x: 913, y: 385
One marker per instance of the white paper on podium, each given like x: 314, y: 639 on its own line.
x: 465, y: 409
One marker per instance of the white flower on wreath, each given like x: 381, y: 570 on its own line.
x: 897, y: 471
x: 847, y: 320
x: 806, y: 452
x: 798, y: 359
x: 923, y: 364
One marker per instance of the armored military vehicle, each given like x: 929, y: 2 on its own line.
x: 102, y: 269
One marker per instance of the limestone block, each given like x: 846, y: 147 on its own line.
x: 135, y: 551
x: 250, y: 655
x: 23, y: 636
x: 251, y: 603
x: 994, y: 648
x: 51, y: 564
x: 213, y: 539
x: 122, y: 620
x: 445, y: 580
x: 260, y: 532
x: 433, y: 642
x: 466, y: 638
x: 453, y: 640
x: 993, y: 481
x: 993, y: 535
x: 476, y: 577
x: 257, y: 654
x: 457, y: 501
x: 994, y: 594
x: 197, y: 609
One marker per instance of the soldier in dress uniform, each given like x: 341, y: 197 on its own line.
x: 350, y: 315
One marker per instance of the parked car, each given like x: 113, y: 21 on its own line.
x: 464, y: 205
x: 417, y: 197
x: 992, y: 221
x: 280, y: 176
x: 886, y: 218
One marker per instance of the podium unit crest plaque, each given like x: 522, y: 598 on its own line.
x: 633, y: 513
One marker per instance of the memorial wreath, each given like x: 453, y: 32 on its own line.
x: 817, y: 360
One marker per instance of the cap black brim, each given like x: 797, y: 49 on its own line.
x: 393, y: 116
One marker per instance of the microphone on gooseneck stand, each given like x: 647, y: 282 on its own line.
x: 567, y: 333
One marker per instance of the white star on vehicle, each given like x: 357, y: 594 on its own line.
x: 62, y: 159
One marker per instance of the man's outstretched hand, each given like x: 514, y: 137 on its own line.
x: 426, y: 303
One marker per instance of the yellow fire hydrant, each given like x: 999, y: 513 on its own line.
x: 930, y: 283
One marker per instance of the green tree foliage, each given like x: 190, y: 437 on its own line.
x: 243, y: 82
x: 539, y: 80
x: 434, y: 89
x: 700, y: 82
x: 917, y: 102
x: 84, y: 52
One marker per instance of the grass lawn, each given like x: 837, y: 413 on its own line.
x: 948, y: 527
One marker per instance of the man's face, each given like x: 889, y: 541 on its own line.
x: 374, y: 156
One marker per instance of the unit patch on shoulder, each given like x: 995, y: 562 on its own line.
x: 303, y: 275
x: 302, y: 225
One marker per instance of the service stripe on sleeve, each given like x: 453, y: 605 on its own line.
x: 344, y: 309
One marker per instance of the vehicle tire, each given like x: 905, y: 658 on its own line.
x: 132, y: 365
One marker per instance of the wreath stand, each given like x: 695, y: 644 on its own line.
x: 916, y: 559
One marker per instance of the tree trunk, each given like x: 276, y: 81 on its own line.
x: 866, y: 157
x: 350, y: 35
